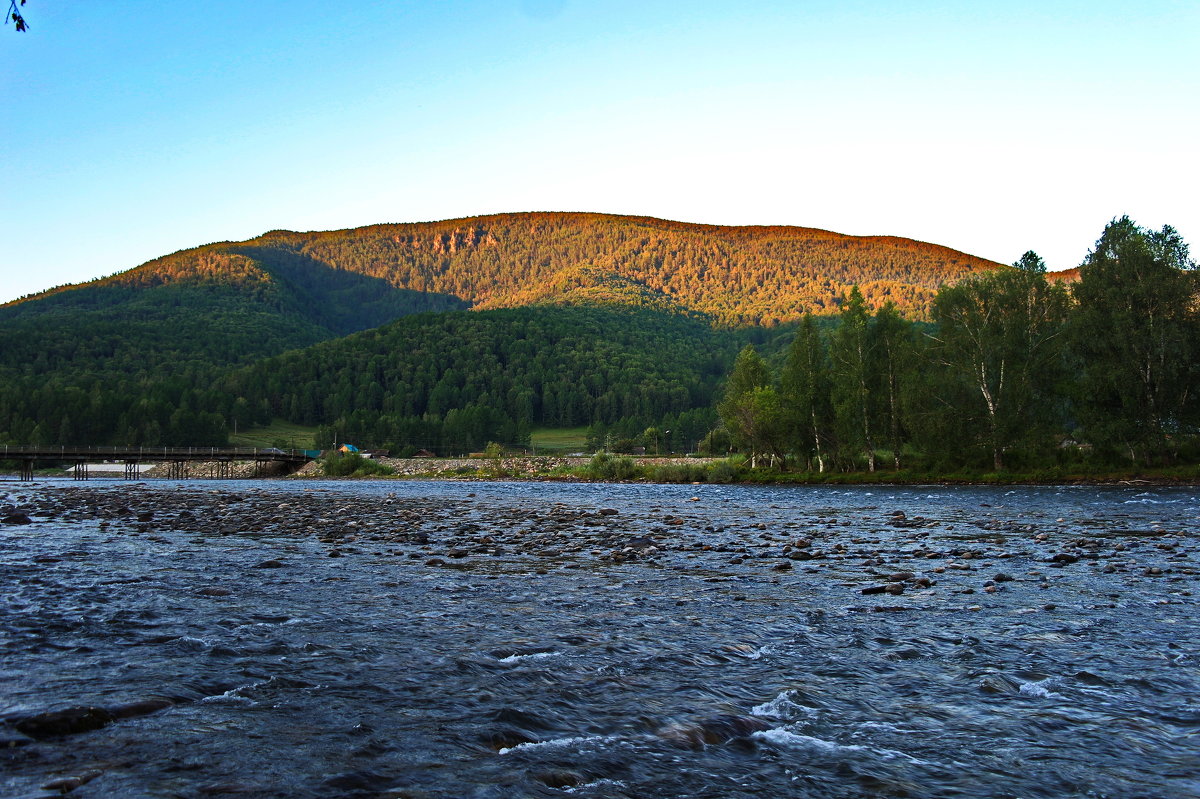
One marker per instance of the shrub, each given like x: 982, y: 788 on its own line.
x: 606, y: 466
x: 722, y: 472
x: 351, y: 464
x: 678, y: 473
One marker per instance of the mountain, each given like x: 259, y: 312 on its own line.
x: 233, y: 302
x: 737, y: 275
x: 210, y: 306
x: 144, y: 355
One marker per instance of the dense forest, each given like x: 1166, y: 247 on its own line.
x: 452, y: 382
x: 144, y: 356
x: 1015, y: 371
x: 448, y: 382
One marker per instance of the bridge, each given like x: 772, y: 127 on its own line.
x: 177, y: 458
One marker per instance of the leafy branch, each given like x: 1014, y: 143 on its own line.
x: 14, y: 14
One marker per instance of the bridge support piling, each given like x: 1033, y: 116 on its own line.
x: 132, y: 472
x: 27, y: 471
x: 81, y: 470
x: 177, y: 470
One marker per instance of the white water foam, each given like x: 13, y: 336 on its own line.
x: 534, y: 656
x: 587, y: 786
x: 193, y: 643
x: 555, y: 743
x: 794, y: 740
x: 782, y: 707
x: 1040, y: 689
x: 230, y: 697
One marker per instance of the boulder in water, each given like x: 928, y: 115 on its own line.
x: 713, y: 731
x: 59, y: 723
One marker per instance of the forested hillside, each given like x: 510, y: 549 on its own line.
x: 737, y: 275
x: 143, y: 356
x: 452, y: 382
x: 347, y: 280
x: 213, y: 306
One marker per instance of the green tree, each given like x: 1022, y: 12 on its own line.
x: 853, y: 378
x: 1031, y: 262
x: 750, y: 407
x: 652, y: 438
x: 1136, y: 332
x: 805, y: 392
x: 894, y: 356
x: 1001, y: 335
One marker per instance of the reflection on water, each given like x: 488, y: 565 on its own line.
x: 499, y: 640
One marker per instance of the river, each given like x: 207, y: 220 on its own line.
x: 441, y: 639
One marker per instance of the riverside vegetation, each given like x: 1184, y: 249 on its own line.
x: 615, y: 324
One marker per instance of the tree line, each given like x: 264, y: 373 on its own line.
x: 452, y: 382
x: 1014, y: 371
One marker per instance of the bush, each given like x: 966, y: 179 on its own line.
x: 606, y: 466
x: 722, y: 472
x: 351, y: 464
x: 678, y: 473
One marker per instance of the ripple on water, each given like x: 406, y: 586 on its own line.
x: 375, y: 672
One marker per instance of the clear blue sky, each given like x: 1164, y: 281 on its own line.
x: 133, y: 129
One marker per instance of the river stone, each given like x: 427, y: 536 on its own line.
x: 710, y: 732
x: 142, y: 708
x: 559, y: 778
x: 59, y: 723
x: 17, y: 518
x: 68, y: 784
x: 506, y: 739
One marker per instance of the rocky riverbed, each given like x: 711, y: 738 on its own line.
x: 426, y: 639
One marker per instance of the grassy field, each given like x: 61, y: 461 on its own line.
x: 278, y: 433
x: 557, y: 441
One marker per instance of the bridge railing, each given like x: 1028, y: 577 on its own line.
x: 64, y: 452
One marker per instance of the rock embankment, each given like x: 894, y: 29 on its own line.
x: 522, y: 466
x: 201, y: 470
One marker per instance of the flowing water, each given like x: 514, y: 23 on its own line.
x: 710, y: 641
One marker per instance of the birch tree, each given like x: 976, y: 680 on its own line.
x: 1001, y: 333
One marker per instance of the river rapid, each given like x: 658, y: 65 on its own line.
x: 423, y: 639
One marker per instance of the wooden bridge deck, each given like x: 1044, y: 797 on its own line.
x: 133, y: 456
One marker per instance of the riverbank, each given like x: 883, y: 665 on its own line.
x: 686, y: 470
x: 619, y: 468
